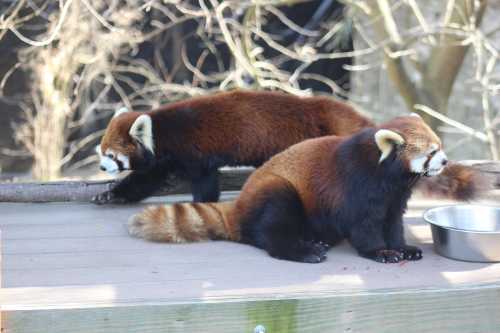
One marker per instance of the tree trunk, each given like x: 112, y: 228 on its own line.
x: 440, y: 70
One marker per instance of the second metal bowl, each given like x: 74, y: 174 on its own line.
x: 466, y: 232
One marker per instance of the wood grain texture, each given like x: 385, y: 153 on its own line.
x: 385, y: 311
x: 71, y: 267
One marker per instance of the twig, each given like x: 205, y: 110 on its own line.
x: 464, y: 128
x: 55, y: 32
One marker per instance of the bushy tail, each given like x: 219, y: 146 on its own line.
x: 183, y: 222
x: 457, y: 182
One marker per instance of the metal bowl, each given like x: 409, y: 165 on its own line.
x: 466, y: 232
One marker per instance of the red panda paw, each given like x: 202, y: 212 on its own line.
x: 384, y: 256
x: 107, y: 197
x: 313, y: 252
x: 411, y: 252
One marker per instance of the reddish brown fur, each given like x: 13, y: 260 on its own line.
x: 117, y: 134
x: 458, y: 182
x: 254, y: 125
x: 183, y: 223
x: 303, y: 165
x: 309, y: 168
x: 418, y: 137
x: 249, y: 127
x: 306, y: 166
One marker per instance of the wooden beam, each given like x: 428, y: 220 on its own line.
x: 467, y: 309
x: 83, y: 191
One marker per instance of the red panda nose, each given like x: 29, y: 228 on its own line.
x: 444, y: 162
x: 102, y: 168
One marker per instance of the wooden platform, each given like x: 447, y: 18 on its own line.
x: 73, y: 268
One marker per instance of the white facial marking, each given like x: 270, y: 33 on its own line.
x: 108, y: 162
x: 437, y: 163
x: 417, y: 165
x: 109, y: 165
x: 124, y: 159
x: 430, y: 164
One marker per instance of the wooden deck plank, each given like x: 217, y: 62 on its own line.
x: 191, y: 256
x: 107, y: 255
x: 73, y: 265
x: 61, y: 212
x: 452, y: 310
x: 58, y: 231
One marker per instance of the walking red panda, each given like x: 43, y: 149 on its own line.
x: 194, y: 137
x: 315, y: 194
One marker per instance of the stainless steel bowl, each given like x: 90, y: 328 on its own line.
x: 466, y: 232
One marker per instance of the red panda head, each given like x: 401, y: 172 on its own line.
x: 127, y: 143
x: 417, y: 146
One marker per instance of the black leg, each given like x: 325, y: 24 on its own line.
x: 396, y: 241
x: 367, y: 237
x: 394, y: 232
x: 205, y: 188
x: 277, y: 224
x: 134, y: 187
x: 297, y: 250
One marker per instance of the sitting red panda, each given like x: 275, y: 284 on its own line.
x: 315, y: 194
x: 194, y: 137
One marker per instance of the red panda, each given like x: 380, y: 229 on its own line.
x: 315, y: 194
x: 194, y: 137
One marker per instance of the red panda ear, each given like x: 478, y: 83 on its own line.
x: 142, y: 131
x: 413, y: 114
x: 120, y: 111
x: 386, y: 140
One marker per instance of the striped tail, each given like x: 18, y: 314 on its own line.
x: 183, y: 222
x: 457, y: 182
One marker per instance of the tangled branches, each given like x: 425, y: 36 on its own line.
x: 91, y: 56
x: 424, y: 55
